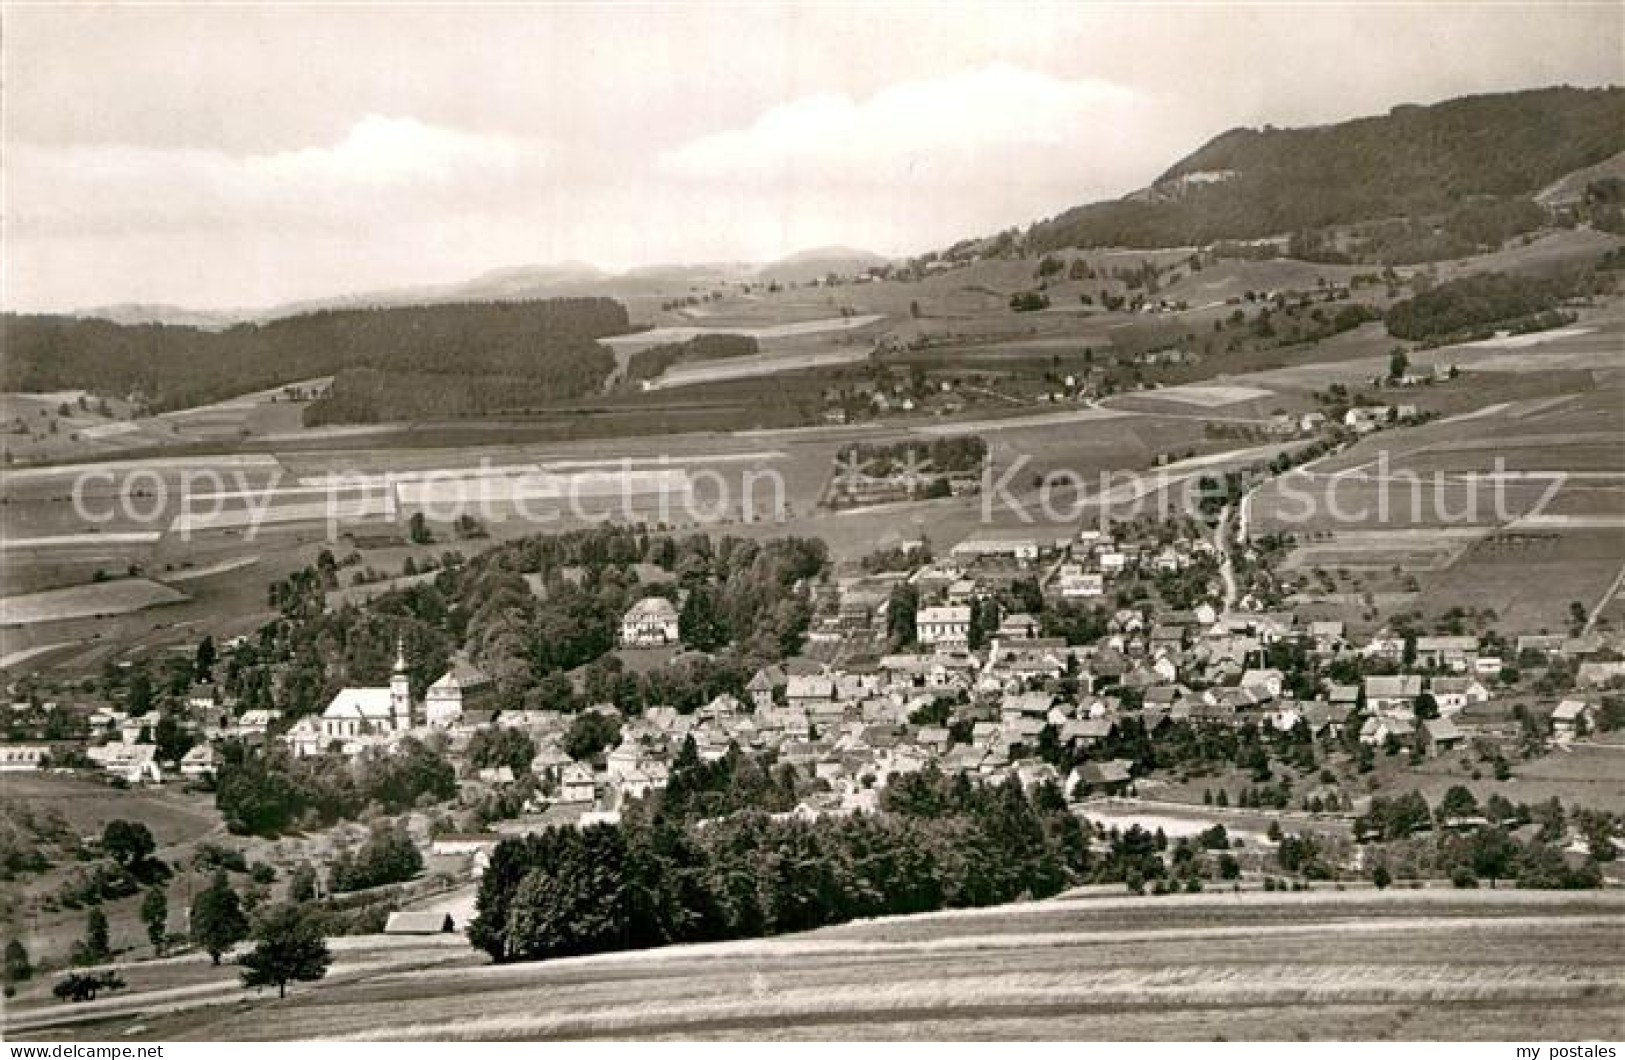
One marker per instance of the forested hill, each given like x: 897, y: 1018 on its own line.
x: 545, y: 348
x: 1415, y: 160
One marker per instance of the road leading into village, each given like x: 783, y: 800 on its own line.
x: 1227, y: 566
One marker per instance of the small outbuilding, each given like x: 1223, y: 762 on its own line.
x: 419, y: 923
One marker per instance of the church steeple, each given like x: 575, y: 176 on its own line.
x: 400, y: 690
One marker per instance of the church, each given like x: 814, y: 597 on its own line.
x: 358, y: 718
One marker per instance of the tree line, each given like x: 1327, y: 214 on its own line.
x: 660, y: 877
x: 548, y: 347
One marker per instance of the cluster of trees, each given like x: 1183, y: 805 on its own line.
x: 266, y: 792
x: 388, y: 856
x: 749, y: 595
x: 1476, y: 225
x: 1411, y: 161
x: 590, y: 734
x: 495, y: 747
x: 289, y: 945
x: 1469, y: 842
x: 1474, y: 302
x: 657, y: 878
x: 548, y: 345
x: 961, y: 454
x: 376, y: 395
x: 32, y: 837
x: 734, y: 783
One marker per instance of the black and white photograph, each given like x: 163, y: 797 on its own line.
x: 812, y: 522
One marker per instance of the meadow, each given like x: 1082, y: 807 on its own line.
x: 1359, y: 964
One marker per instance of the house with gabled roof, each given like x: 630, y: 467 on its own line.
x: 1268, y: 680
x: 133, y: 763
x: 1376, y: 731
x: 650, y: 623
x: 1100, y: 778
x: 577, y: 783
x: 943, y: 627
x: 1450, y: 653
x: 1455, y: 694
x: 1572, y: 717
x: 964, y: 758
x: 765, y: 686
x: 1441, y: 735
x: 802, y: 692
x: 1085, y: 732
x: 1395, y: 692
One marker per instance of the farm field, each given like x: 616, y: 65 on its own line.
x: 1525, y: 492
x: 1552, y: 405
x: 1567, y: 566
x: 767, y: 333
x: 86, y: 601
x: 757, y: 365
x: 785, y: 347
x: 1495, y: 965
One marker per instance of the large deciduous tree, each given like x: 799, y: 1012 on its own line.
x: 218, y: 922
x: 289, y: 949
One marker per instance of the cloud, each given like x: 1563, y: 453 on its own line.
x: 381, y: 167
x: 916, y: 165
x: 995, y: 125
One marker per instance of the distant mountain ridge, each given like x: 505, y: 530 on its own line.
x: 136, y: 313
x: 1414, y: 160
x: 815, y: 264
x: 518, y: 283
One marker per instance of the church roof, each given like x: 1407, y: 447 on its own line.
x: 359, y: 703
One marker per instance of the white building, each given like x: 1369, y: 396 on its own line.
x: 371, y: 711
x: 135, y: 763
x: 358, y: 716
x: 200, y: 761
x: 19, y: 757
x: 1076, y: 583
x: 443, y: 704
x: 650, y: 623
x: 1018, y: 548
x: 943, y: 627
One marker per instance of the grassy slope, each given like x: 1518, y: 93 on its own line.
x: 1357, y: 964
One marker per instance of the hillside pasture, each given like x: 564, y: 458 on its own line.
x: 758, y: 365
x: 1547, y: 252
x: 1368, y: 550
x: 88, y: 805
x: 119, y: 597
x: 1529, y: 580
x: 1495, y: 965
x: 762, y: 333
x: 1233, y: 278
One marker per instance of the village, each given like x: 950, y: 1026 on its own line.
x: 1043, y: 659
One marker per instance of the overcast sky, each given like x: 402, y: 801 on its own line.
x: 243, y: 156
